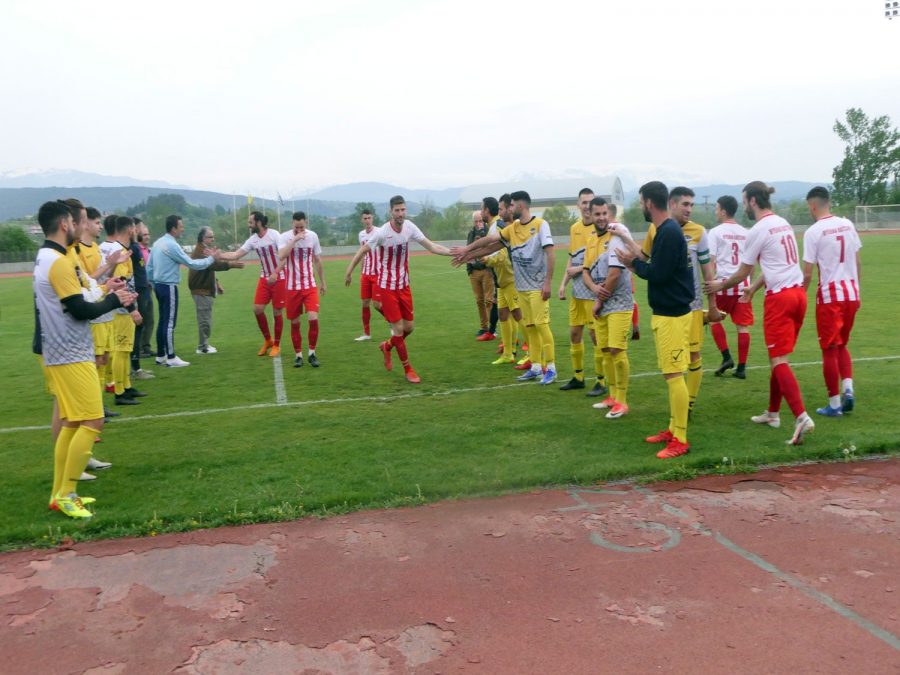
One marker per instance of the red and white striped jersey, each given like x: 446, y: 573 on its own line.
x: 267, y: 249
x: 831, y: 244
x: 771, y: 243
x: 299, y: 270
x: 372, y: 262
x: 726, y: 243
x: 394, y: 250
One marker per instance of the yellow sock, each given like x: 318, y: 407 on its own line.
x: 610, y: 369
x: 77, y: 458
x: 623, y: 372
x: 548, y: 348
x: 678, y: 404
x: 694, y: 377
x: 60, y: 453
x: 599, y: 362
x: 506, y: 334
x: 522, y: 329
x: 121, y: 363
x: 101, y: 374
x: 577, y: 354
x: 534, y: 343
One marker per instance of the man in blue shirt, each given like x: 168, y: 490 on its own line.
x: 164, y: 272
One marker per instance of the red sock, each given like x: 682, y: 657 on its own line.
x: 367, y: 316
x: 774, y: 393
x: 263, y: 322
x: 789, y: 388
x: 399, y: 344
x: 634, y: 315
x: 718, y: 333
x: 296, y: 339
x: 313, y: 333
x: 743, y: 347
x: 845, y: 363
x: 831, y: 371
x: 279, y: 326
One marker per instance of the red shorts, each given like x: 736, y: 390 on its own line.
x: 834, y: 321
x: 266, y: 293
x: 297, y: 301
x: 368, y: 286
x: 741, y: 313
x: 783, y: 315
x: 396, y: 305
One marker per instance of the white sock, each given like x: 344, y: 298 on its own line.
x: 312, y: 351
x: 834, y: 401
x: 551, y: 366
x: 299, y: 355
x: 536, y: 367
x: 847, y: 384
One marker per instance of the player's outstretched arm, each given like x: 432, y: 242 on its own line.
x: 437, y: 249
x: 715, y: 286
x: 477, y: 249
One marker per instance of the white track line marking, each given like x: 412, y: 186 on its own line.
x: 280, y: 393
x: 394, y: 397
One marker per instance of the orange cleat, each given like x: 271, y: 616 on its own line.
x: 275, y: 351
x: 265, y: 348
x: 674, y: 448
x: 523, y: 365
x: 412, y: 377
x: 385, y: 348
x: 662, y: 437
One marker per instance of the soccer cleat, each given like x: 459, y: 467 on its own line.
x: 726, y: 364
x: 486, y: 337
x: 802, y: 426
x: 96, y: 465
x: 141, y: 374
x: 828, y: 411
x: 849, y: 402
x: 503, y: 359
x: 664, y: 436
x: 574, y: 383
x: 363, y: 338
x: 72, y: 506
x: 635, y: 333
x: 385, y: 348
x: 617, y: 411
x: 481, y: 331
x: 208, y: 349
x: 110, y: 388
x: 131, y: 392
x: 147, y: 354
x: 265, y: 348
x: 53, y: 506
x: 739, y: 373
x: 122, y: 399
x: 523, y: 364
x: 162, y: 361
x: 275, y: 351
x: 175, y: 362
x: 109, y: 413
x: 608, y: 402
x: 528, y: 375
x: 298, y: 361
x: 549, y: 377
x: 411, y: 376
x: 314, y: 360
x: 598, y: 390
x: 674, y: 448
x: 766, y: 417
x: 85, y: 476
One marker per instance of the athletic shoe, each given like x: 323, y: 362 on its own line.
x: 85, y: 476
x: 110, y: 388
x: 674, y: 448
x: 385, y: 348
x: 549, y: 377
x: 802, y: 426
x: 598, y: 390
x: 131, y: 392
x: 362, y: 338
x: 53, y: 506
x: 122, y: 399
x: 96, y: 465
x: 314, y: 360
x: 481, y: 331
x: 574, y: 383
x: 486, y: 337
x: 109, y: 413
x: 739, y: 373
x: 523, y: 364
x: 162, y: 361
x: 766, y: 417
x: 528, y: 375
x: 141, y: 374
x: 208, y: 349
x: 726, y: 364
x: 617, y: 411
x: 275, y: 351
x: 298, y: 361
x: 635, y: 333
x: 265, y: 348
x: 664, y: 436
x: 72, y: 506
x: 608, y: 402
x: 849, y: 402
x: 175, y: 362
x: 147, y: 354
x: 828, y: 411
x: 503, y: 359
x: 411, y: 376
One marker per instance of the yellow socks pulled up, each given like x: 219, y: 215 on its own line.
x: 577, y: 354
x: 548, y: 348
x: 508, y: 336
x: 678, y: 406
x: 694, y: 378
x: 623, y: 372
x: 77, y: 456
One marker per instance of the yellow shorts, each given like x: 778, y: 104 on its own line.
x: 123, y: 333
x: 47, y: 380
x: 581, y: 312
x: 77, y: 391
x: 103, y: 337
x: 671, y: 335
x: 696, y: 339
x: 507, y: 296
x: 613, y: 330
x: 535, y: 310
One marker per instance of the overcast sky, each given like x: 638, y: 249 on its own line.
x: 289, y: 96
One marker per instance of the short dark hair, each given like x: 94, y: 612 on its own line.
x: 613, y: 209
x: 172, y: 222
x: 298, y: 215
x: 137, y: 221
x: 598, y: 201
x: 492, y: 205
x: 819, y: 192
x: 396, y: 200
x: 123, y: 223
x: 366, y: 212
x: 585, y: 191
x: 760, y: 192
x: 51, y: 214
x: 505, y: 199
x: 521, y: 196
x: 93, y: 213
x: 680, y: 191
x: 728, y: 204
x: 260, y: 217
x: 75, y: 207
x: 109, y: 224
x: 657, y: 193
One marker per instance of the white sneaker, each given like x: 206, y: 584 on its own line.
x: 802, y: 426
x: 96, y: 465
x: 87, y: 476
x: 161, y: 360
x: 208, y: 349
x: 773, y: 421
x: 142, y: 374
x: 363, y: 338
x: 175, y: 362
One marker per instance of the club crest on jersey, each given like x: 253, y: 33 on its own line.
x: 533, y: 230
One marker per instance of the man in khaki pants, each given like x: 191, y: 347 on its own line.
x: 482, y: 280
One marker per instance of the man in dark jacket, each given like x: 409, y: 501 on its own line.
x: 205, y: 287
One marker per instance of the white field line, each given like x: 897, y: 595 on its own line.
x: 280, y: 393
x: 394, y: 397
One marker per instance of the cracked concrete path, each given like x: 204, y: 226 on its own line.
x: 788, y: 570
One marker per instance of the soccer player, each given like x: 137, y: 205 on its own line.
x: 610, y: 282
x: 581, y: 236
x: 394, y: 289
x: 832, y: 246
x: 635, y: 314
x: 270, y: 288
x: 771, y: 243
x: 531, y: 253
x: 368, y: 277
x: 300, y: 248
x: 481, y: 278
x: 164, y: 272
x: 63, y: 337
x: 726, y: 246
x: 670, y: 293
x: 508, y: 312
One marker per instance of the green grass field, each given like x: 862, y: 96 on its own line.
x: 210, y: 446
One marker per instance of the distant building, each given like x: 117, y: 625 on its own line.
x: 547, y: 193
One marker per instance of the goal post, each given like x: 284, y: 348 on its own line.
x: 878, y: 217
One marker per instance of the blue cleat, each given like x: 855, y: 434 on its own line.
x: 828, y: 411
x: 849, y: 402
x: 527, y: 376
x: 549, y: 377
